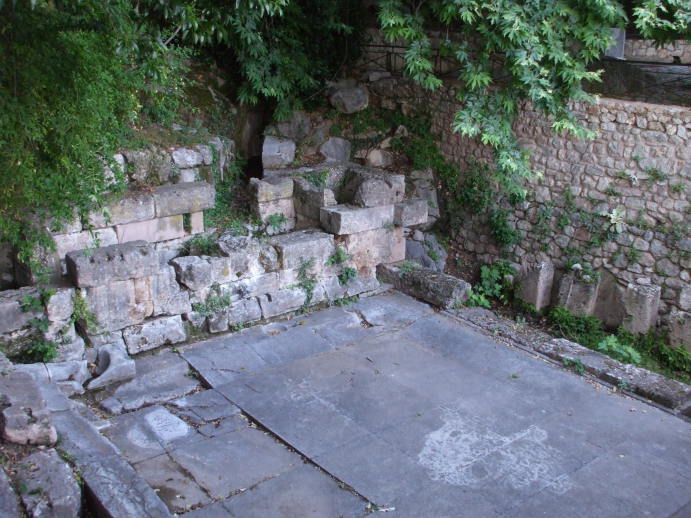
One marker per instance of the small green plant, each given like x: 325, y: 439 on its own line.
x: 37, y: 351
x: 563, y: 221
x: 633, y: 255
x: 655, y: 175
x: 187, y: 222
x: 678, y: 188
x: 276, y: 221
x: 611, y: 191
x: 306, y: 280
x: 338, y: 257
x: 500, y: 230
x: 347, y: 274
x: 318, y: 179
x: 406, y: 267
x: 81, y: 314
x: 575, y: 365
x: 619, y: 351
x: 201, y: 244
x: 345, y: 301
x: 493, y: 284
x: 215, y: 302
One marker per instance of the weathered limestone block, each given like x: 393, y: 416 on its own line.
x: 610, y: 301
x: 276, y: 208
x: 183, y: 198
x: 425, y: 250
x: 70, y: 344
x: 282, y: 301
x: 193, y: 271
x: 113, y: 364
x: 12, y: 316
x: 436, y: 288
x: 370, y: 188
x: 309, y: 199
x: 192, y: 174
x: 184, y: 158
x: 253, y: 286
x: 680, y: 329
x: 69, y: 242
x: 51, y: 490
x: 168, y: 298
x: 535, y: 285
x: 25, y: 418
x: 247, y: 256
x: 297, y: 127
x: 296, y: 248
x: 111, y: 263
x: 243, y: 311
x: 371, y: 247
x: 350, y: 99
x: 424, y: 186
x: 332, y: 289
x: 279, y: 189
x: 9, y: 508
x: 75, y: 370
x: 115, y: 305
x: 577, y: 296
x: 153, y: 230
x: 277, y: 152
x: 398, y: 246
x: 409, y: 213
x: 336, y: 150
x: 154, y: 333
x: 344, y: 219
x: 378, y: 158
x: 134, y: 206
x: 641, y: 305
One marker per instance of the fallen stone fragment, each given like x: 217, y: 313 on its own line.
x: 154, y: 333
x: 49, y: 487
x: 436, y: 288
x: 113, y: 365
x: 350, y: 99
x: 25, y: 418
x: 336, y: 150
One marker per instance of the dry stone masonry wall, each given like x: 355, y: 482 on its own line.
x: 635, y: 172
x: 646, y: 50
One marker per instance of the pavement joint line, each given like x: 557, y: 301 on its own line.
x: 341, y: 483
x: 512, y: 342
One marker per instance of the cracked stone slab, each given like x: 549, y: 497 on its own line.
x: 301, y: 492
x: 390, y: 311
x: 175, y: 487
x: 9, y: 507
x: 160, y: 377
x: 249, y: 456
x: 207, y: 405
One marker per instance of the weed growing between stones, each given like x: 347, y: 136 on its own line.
x: 81, y: 314
x: 318, y: 179
x: 307, y: 281
x: 575, y: 365
x: 494, y: 285
x: 406, y: 267
x: 347, y: 274
x: 215, y: 302
x: 345, y: 301
x: 276, y: 221
x: 338, y: 257
x: 201, y: 244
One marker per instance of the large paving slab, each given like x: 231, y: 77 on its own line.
x: 425, y: 416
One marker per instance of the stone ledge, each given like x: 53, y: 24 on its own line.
x: 655, y: 387
x: 344, y: 219
x: 183, y: 198
x: 436, y: 288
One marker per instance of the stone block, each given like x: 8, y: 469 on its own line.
x: 336, y: 150
x: 60, y: 306
x: 185, y: 157
x: 283, y: 207
x: 12, y: 316
x: 641, y: 306
x: 535, y: 285
x: 378, y: 158
x: 610, y: 301
x: 345, y: 219
x: 196, y: 222
x: 9, y: 507
x: 350, y: 99
x: 680, y: 329
x: 244, y: 312
x: 398, y: 246
x: 426, y: 251
x: 253, y: 286
x: 193, y: 271
x: 81, y: 240
x: 370, y: 188
x: 49, y: 486
x: 277, y: 152
x: 134, y: 206
x: 298, y: 247
x: 113, y: 365
x: 371, y: 247
x: 309, y: 199
x: 187, y: 175
x: 89, y: 268
x: 409, y: 213
x: 217, y: 323
x: 183, y: 198
x: 247, y: 256
x: 168, y: 298
x: 153, y: 230
x: 278, y: 189
x: 576, y: 295
x: 25, y: 418
x: 436, y: 288
x: 115, y: 305
x: 154, y: 333
x: 282, y: 301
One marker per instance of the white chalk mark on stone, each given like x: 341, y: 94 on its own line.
x: 465, y: 452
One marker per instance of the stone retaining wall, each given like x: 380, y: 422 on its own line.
x: 646, y: 50
x: 638, y: 166
x: 143, y: 294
